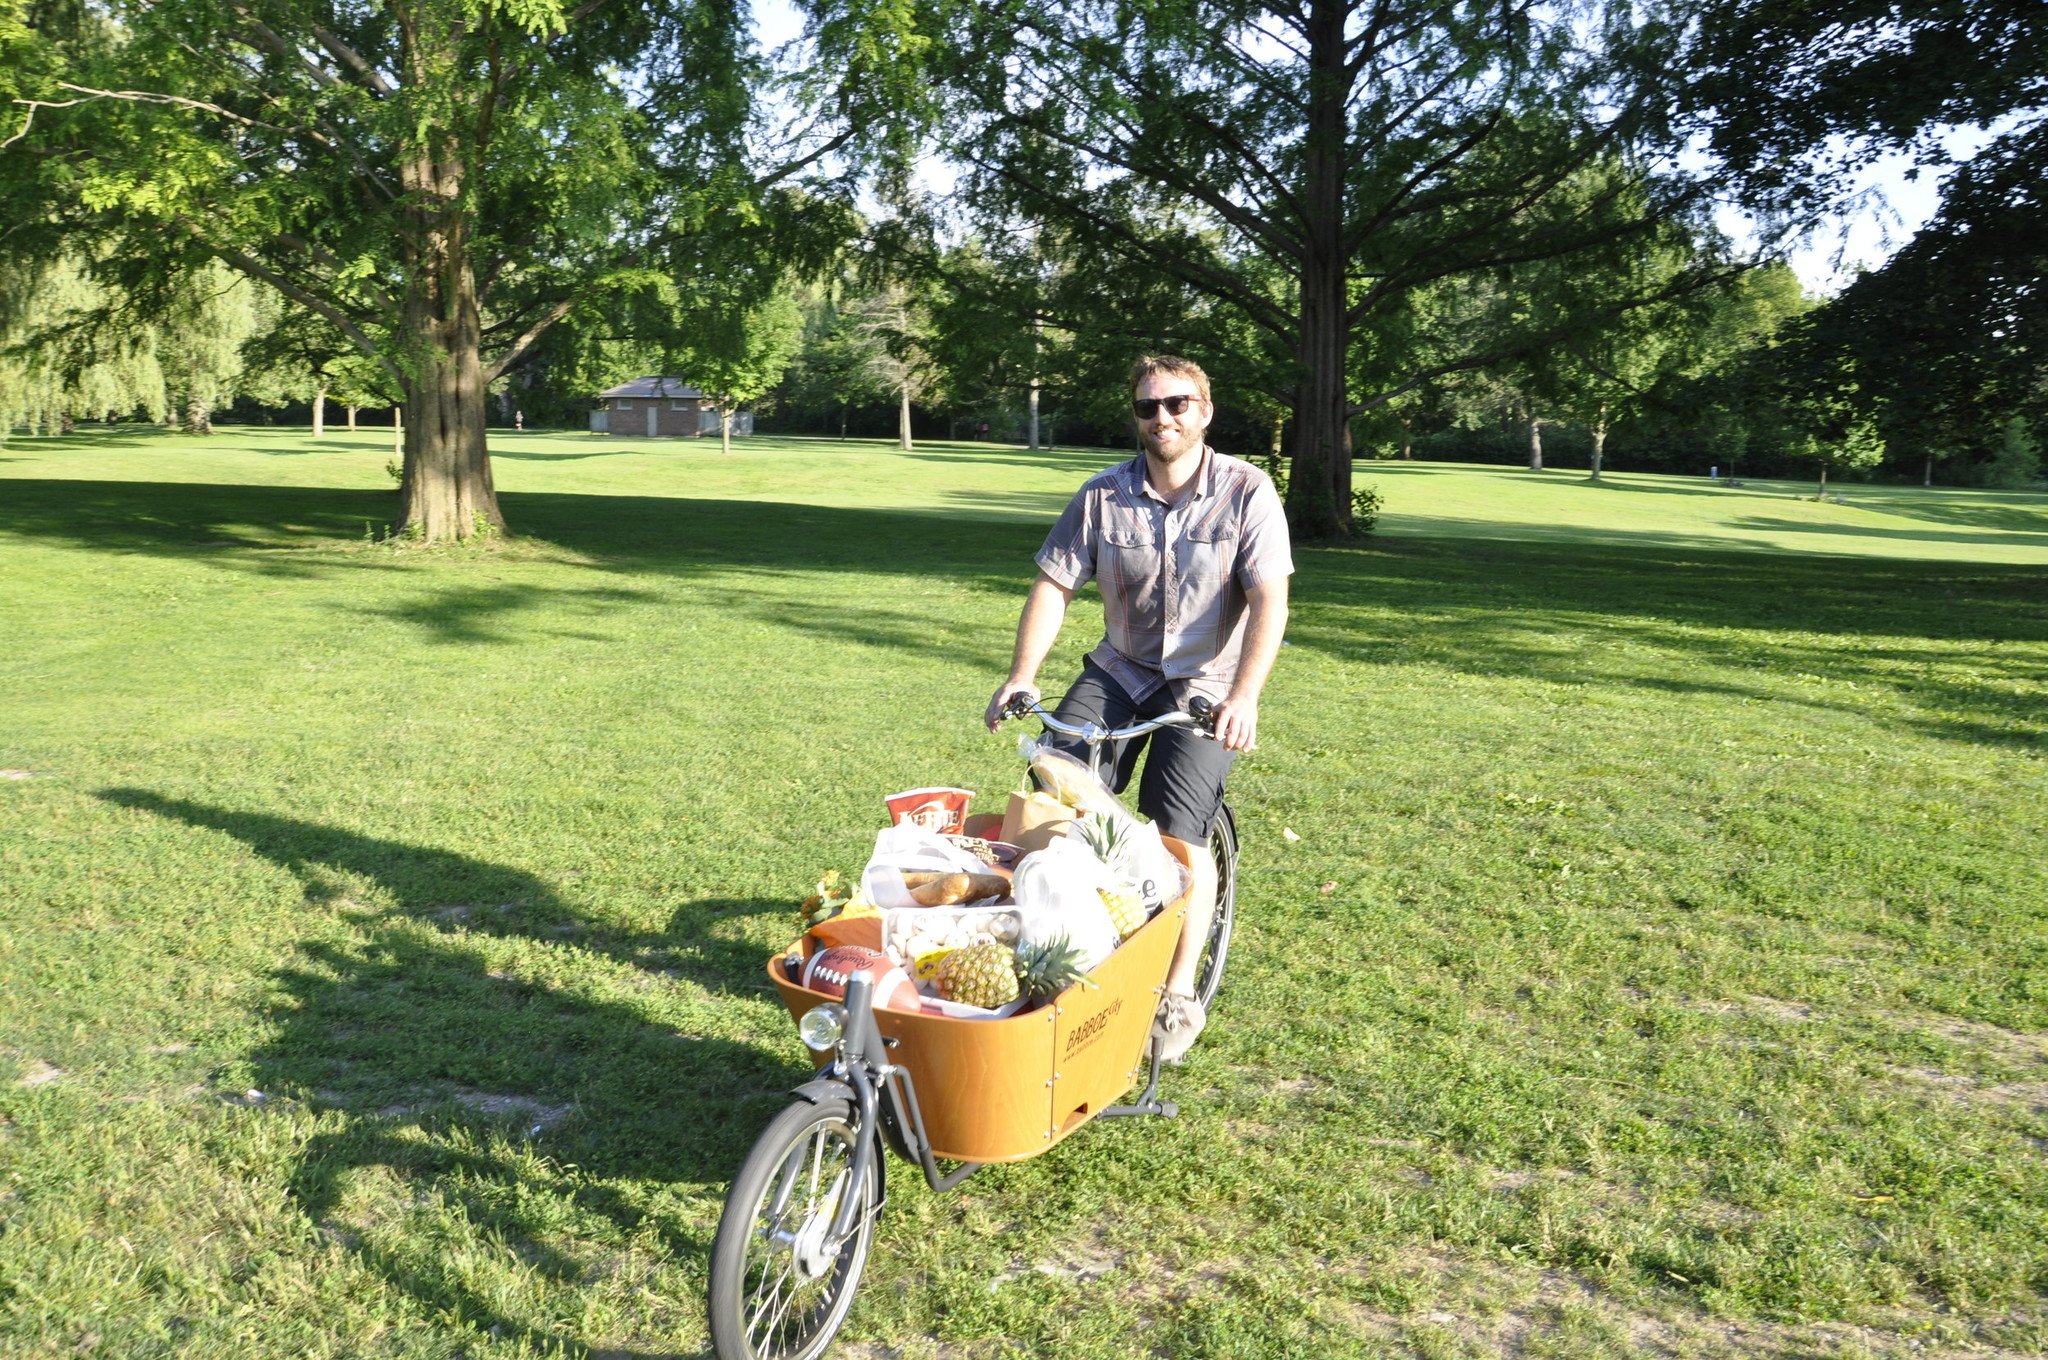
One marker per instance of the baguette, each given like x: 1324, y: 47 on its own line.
x: 950, y: 890
x: 1069, y: 781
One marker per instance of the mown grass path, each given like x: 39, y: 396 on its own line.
x: 1656, y: 965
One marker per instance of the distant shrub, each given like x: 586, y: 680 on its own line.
x: 1365, y: 500
x: 1365, y: 509
x: 2016, y: 466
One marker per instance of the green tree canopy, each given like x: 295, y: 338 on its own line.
x: 442, y: 181
x: 1308, y: 165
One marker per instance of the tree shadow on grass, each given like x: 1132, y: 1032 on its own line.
x: 1979, y: 532
x: 1470, y: 602
x: 94, y: 438
x: 1618, y: 614
x: 168, y: 518
x: 546, y: 1124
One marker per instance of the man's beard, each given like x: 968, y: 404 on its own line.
x: 1168, y: 446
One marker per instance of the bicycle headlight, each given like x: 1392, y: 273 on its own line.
x: 822, y: 1026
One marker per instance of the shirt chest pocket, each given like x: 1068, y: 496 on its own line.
x: 1211, y: 551
x: 1132, y: 553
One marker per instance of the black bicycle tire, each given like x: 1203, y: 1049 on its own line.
x: 727, y: 1295
x: 1223, y: 849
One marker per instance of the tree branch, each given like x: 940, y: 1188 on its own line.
x: 517, y: 351
x: 264, y: 36
x: 1164, y: 257
x: 149, y: 97
x: 777, y: 176
x: 1279, y: 242
x: 256, y: 269
x: 349, y: 57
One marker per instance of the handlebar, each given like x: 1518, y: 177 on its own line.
x: 1200, y: 717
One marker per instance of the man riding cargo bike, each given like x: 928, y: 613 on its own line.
x: 1190, y: 551
x: 976, y: 1002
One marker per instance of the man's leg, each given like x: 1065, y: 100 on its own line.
x: 1096, y: 697
x: 1194, y: 931
x: 1182, y: 790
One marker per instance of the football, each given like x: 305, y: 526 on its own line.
x: 829, y: 970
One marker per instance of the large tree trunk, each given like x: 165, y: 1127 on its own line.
x: 725, y: 429
x: 198, y: 415
x: 903, y: 419
x: 1319, y: 485
x: 1535, y: 444
x: 446, y: 492
x: 351, y: 418
x: 1599, y: 441
x: 1927, y: 471
x: 320, y: 413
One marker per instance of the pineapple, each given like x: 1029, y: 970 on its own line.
x: 1045, y: 970
x: 1112, y: 845
x: 983, y: 975
x: 1126, y: 908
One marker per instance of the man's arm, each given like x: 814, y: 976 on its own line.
x: 1045, y: 609
x: 1237, y: 717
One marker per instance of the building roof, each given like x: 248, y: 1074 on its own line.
x: 653, y: 387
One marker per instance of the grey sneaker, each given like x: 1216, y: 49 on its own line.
x: 1179, y: 1024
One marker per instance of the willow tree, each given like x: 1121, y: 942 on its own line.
x: 440, y: 180
x: 1359, y: 150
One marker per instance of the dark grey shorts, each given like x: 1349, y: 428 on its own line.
x: 1182, y: 787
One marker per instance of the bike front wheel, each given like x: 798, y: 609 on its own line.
x: 779, y: 1288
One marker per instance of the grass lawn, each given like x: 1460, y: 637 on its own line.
x: 1643, y: 941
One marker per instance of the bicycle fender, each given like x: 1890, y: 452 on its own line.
x: 824, y: 1090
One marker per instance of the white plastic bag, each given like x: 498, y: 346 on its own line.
x: 909, y: 848
x: 1056, y: 891
x: 1161, y: 877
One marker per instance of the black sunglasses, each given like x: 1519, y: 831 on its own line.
x: 1148, y: 407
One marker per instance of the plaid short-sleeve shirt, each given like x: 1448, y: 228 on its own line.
x: 1173, y: 577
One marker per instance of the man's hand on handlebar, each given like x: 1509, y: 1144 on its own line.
x: 1236, y: 724
x: 1007, y: 702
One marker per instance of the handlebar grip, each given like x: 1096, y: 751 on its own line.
x: 1017, y: 706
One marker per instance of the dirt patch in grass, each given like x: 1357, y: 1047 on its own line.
x: 2014, y: 1047
x: 1485, y: 1309
x: 2028, y: 1096
x: 525, y: 1109
x: 39, y: 1073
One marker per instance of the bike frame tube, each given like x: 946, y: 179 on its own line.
x: 854, y: 1045
x: 903, y: 1096
x: 864, y: 1068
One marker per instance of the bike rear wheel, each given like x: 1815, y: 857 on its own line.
x: 1216, y: 947
x: 779, y: 1291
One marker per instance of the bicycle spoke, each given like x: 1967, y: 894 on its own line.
x: 817, y: 1169
x: 785, y: 1184
x: 771, y: 1283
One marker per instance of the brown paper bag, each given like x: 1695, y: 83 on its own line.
x: 1033, y: 819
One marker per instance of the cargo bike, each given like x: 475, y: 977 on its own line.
x: 800, y: 1217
